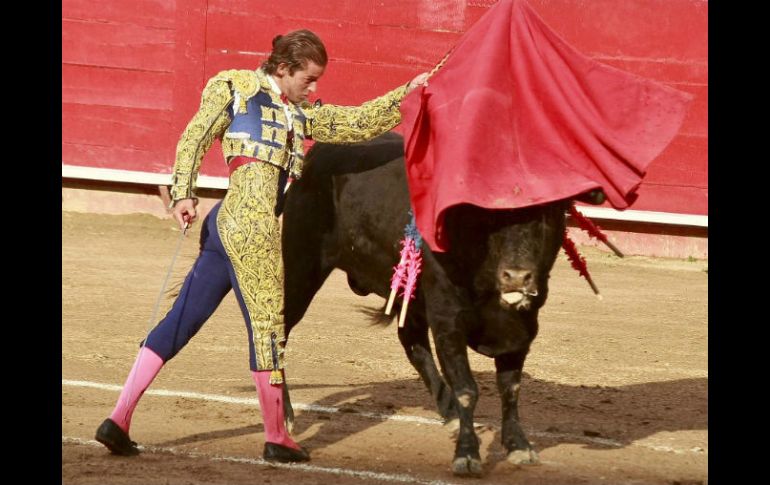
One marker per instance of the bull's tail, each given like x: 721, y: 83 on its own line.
x: 377, y: 316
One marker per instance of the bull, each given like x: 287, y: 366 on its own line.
x: 349, y: 211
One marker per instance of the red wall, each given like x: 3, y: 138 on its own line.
x: 133, y: 69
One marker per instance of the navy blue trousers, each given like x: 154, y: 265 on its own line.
x: 210, y: 279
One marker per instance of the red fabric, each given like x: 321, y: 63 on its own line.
x: 239, y: 161
x: 517, y: 117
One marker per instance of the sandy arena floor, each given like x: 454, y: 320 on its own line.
x: 615, y: 391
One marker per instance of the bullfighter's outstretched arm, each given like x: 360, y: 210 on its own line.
x: 350, y: 124
x: 210, y: 122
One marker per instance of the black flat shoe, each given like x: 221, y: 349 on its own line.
x: 110, y: 435
x: 284, y: 454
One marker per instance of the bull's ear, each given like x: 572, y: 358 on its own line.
x: 595, y: 197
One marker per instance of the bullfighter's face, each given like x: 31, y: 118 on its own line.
x: 298, y: 85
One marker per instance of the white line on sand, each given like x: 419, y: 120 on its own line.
x: 362, y: 474
x: 250, y: 401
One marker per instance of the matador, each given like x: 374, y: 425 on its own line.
x: 262, y: 118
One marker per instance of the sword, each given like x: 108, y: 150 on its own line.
x: 157, y: 302
x: 165, y: 280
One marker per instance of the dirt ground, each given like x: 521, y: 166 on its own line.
x: 615, y: 391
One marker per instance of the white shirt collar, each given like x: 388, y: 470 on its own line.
x: 273, y: 84
x: 277, y: 90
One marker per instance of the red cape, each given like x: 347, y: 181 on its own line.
x: 517, y: 117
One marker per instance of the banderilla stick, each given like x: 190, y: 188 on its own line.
x: 402, y: 316
x: 593, y: 286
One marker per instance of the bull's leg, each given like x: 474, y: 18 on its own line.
x: 445, y: 304
x: 300, y: 286
x: 509, y: 368
x: 303, y: 278
x: 451, y: 348
x: 414, y: 338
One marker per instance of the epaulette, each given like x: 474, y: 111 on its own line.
x: 262, y: 80
x: 245, y: 84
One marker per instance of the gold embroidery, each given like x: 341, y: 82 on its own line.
x: 280, y: 117
x: 208, y: 123
x: 296, y: 169
x: 299, y: 127
x: 264, y: 84
x: 251, y: 237
x: 265, y: 153
x: 351, y: 124
x: 249, y: 147
x: 268, y: 113
x: 227, y: 144
x: 275, y: 135
x: 243, y: 81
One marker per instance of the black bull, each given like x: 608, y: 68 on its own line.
x: 349, y: 211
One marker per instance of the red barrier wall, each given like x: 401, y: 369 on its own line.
x: 133, y: 69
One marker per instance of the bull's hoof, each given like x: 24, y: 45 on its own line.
x: 523, y: 457
x: 466, y: 466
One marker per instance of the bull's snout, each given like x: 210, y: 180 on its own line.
x: 515, y: 280
x: 516, y: 287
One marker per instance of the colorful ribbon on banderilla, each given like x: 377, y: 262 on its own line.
x: 592, y: 229
x: 410, y: 264
x: 408, y: 268
x: 578, y: 262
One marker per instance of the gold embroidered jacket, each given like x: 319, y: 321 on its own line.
x: 239, y: 108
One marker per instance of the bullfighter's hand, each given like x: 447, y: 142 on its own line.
x: 418, y: 80
x: 184, y: 212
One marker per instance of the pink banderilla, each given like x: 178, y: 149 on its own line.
x: 399, y: 275
x: 413, y: 267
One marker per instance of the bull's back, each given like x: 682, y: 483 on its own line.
x: 371, y: 209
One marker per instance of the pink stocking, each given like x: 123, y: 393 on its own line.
x: 271, y: 402
x: 146, y: 367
